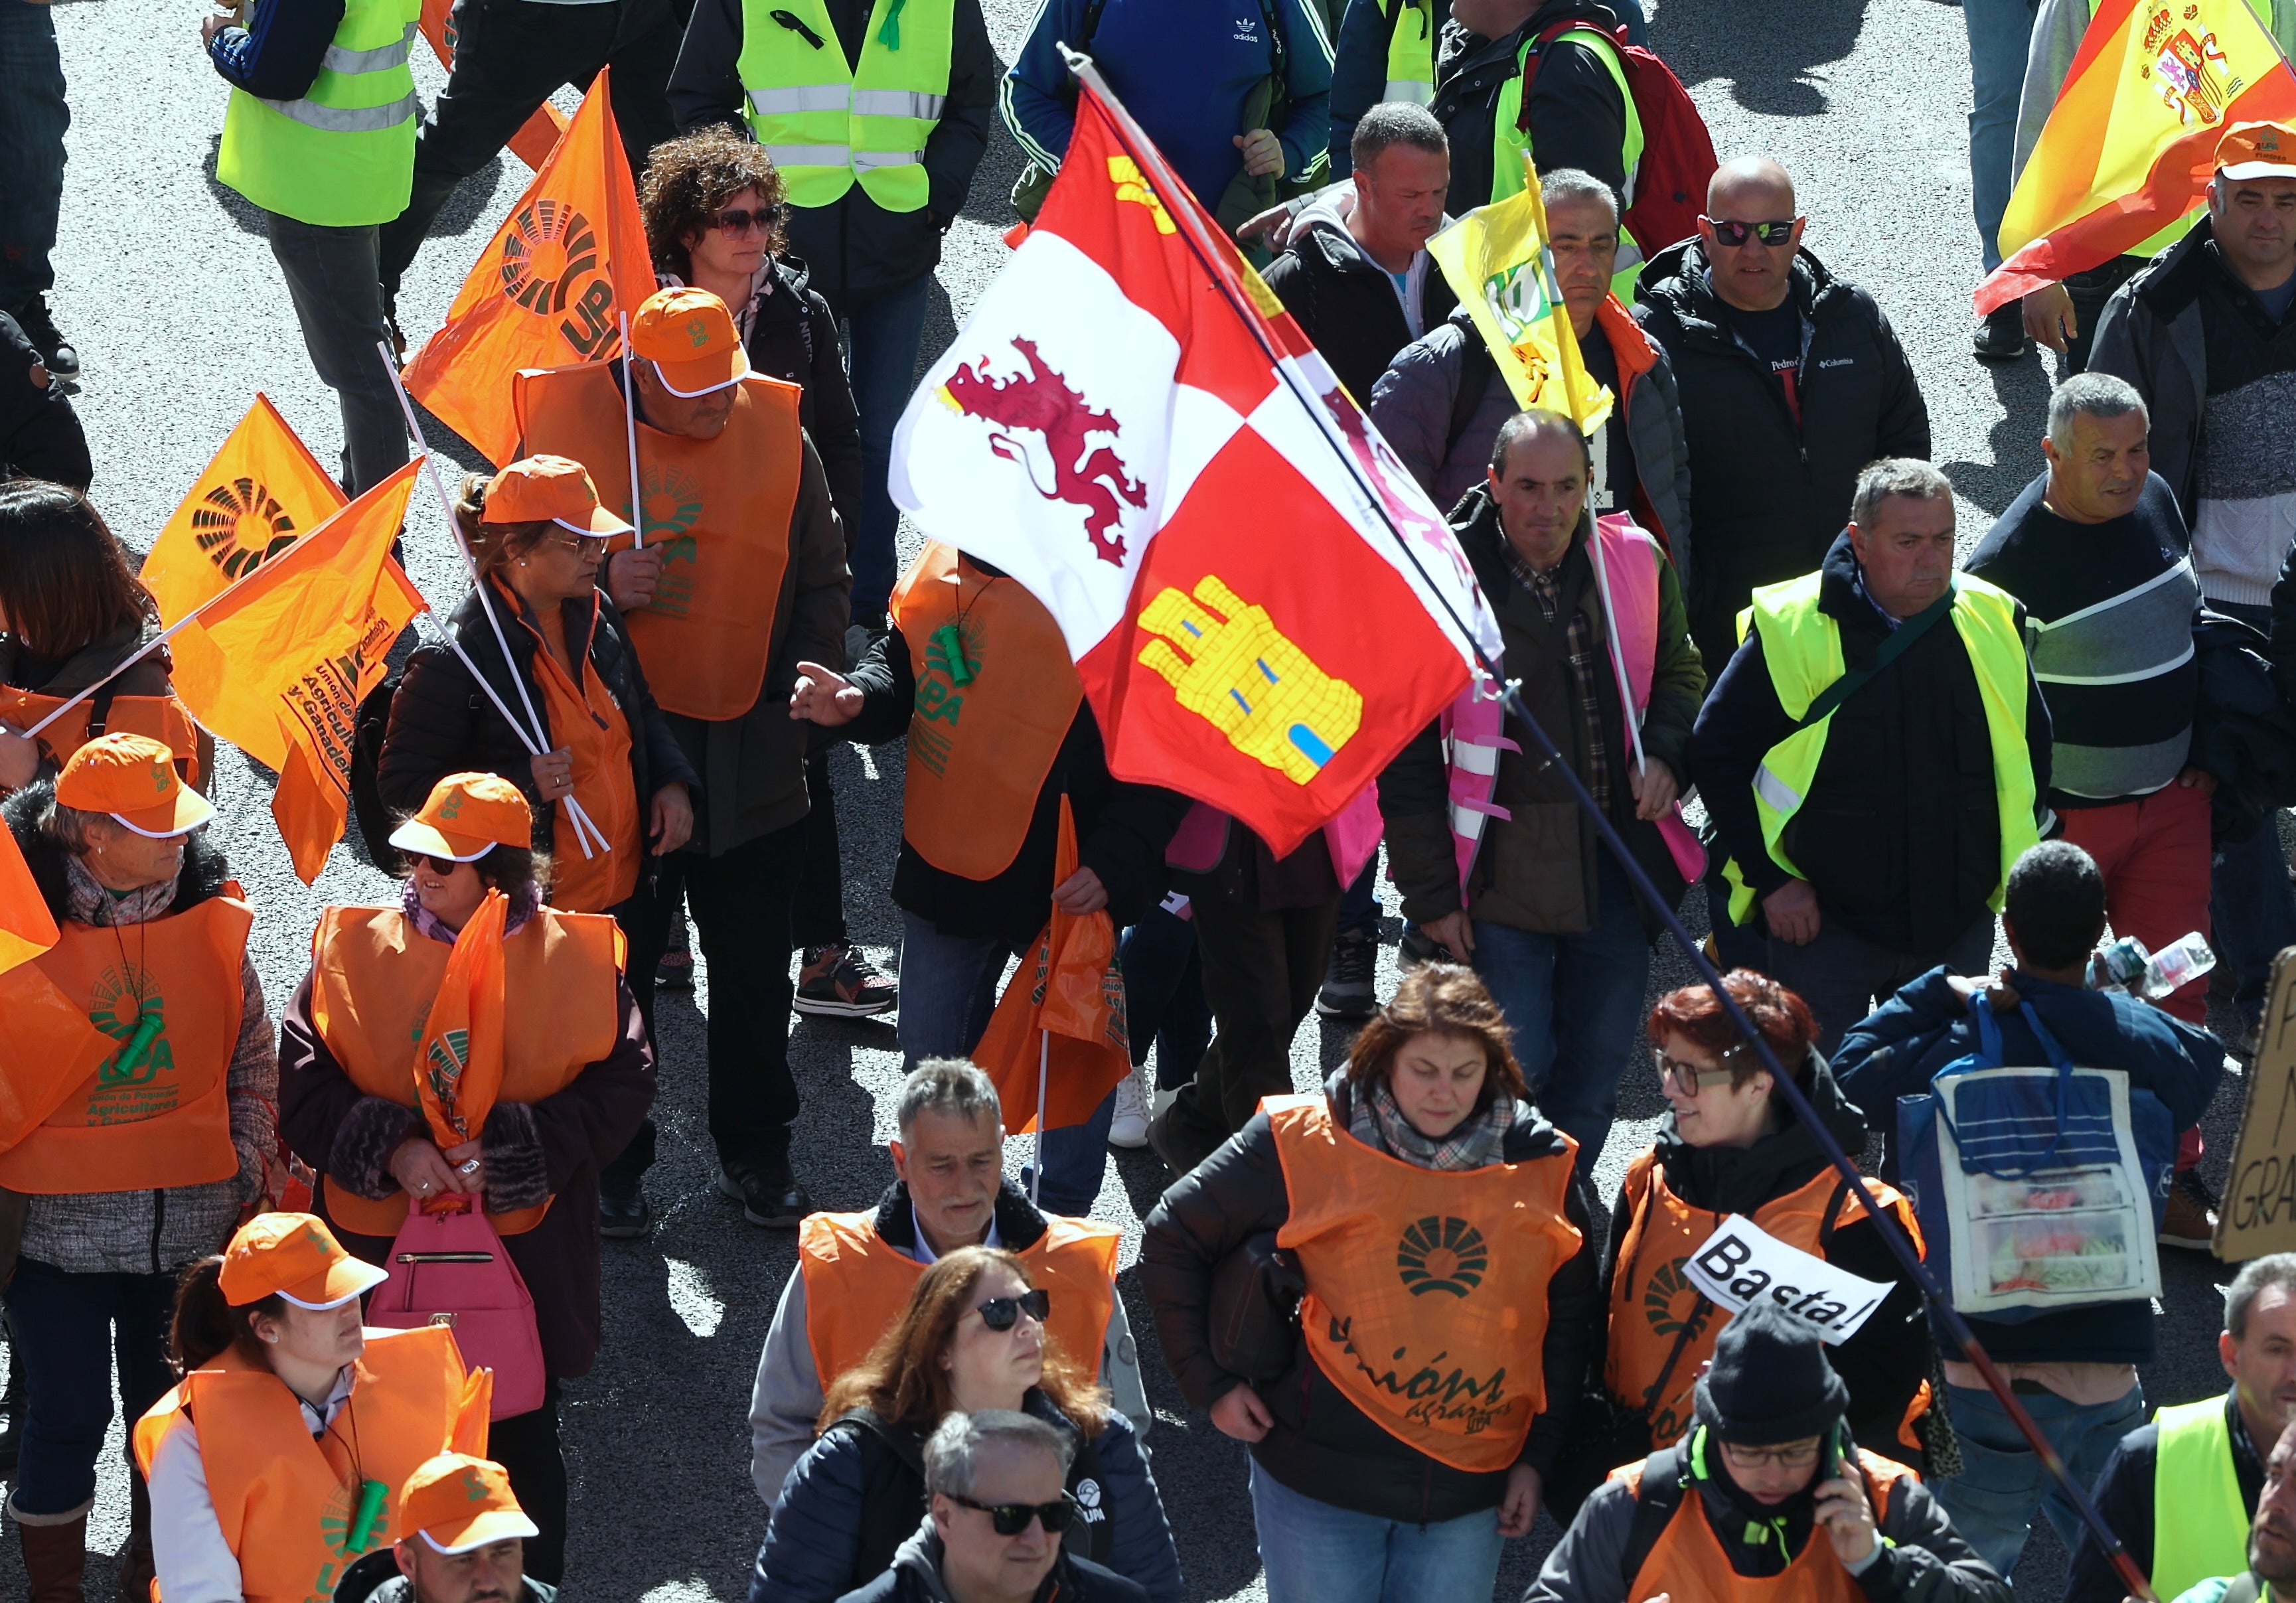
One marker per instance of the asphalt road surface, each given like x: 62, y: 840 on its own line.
x: 176, y: 307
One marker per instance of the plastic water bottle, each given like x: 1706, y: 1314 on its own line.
x: 2124, y: 965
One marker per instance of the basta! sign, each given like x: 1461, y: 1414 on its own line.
x: 2259, y: 1211
x: 1741, y: 1261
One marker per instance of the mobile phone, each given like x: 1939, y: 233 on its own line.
x: 1829, y: 1457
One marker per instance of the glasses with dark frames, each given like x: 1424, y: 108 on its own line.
x: 1735, y: 233
x: 1010, y: 1519
x: 1689, y: 1078
x: 738, y: 221
x: 1003, y: 1312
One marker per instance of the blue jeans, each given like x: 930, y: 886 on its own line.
x: 1574, y: 1002
x: 1313, y: 1552
x: 1992, y: 1499
x: 33, y: 117
x: 882, y: 339
x: 69, y: 1328
x: 1164, y: 996
x: 948, y: 990
x: 1999, y: 30
x: 1360, y: 905
x: 2252, y: 914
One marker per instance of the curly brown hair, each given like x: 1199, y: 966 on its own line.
x: 1440, y: 999
x: 903, y: 1381
x: 688, y: 181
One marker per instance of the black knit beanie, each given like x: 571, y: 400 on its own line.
x: 1770, y: 1381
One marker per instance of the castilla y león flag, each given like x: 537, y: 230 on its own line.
x: 2130, y: 145
x: 263, y: 492
x: 1258, y: 598
x: 278, y: 666
x: 549, y: 288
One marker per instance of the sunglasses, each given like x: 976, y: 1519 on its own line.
x: 1010, y: 1519
x: 1003, y: 1312
x: 441, y: 866
x: 1688, y: 1078
x: 1735, y: 233
x: 741, y: 222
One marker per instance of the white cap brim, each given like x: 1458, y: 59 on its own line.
x: 424, y: 840
x: 687, y: 395
x: 527, y: 1531
x: 2257, y: 170
x: 182, y: 829
x: 370, y: 1276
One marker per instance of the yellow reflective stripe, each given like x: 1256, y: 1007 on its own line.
x: 804, y: 97
x: 380, y: 59
x: 898, y: 102
x: 810, y: 155
x: 347, y: 119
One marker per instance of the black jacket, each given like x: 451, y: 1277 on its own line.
x: 793, y: 337
x: 40, y: 435
x: 1574, y: 111
x: 1900, y: 833
x: 1768, y: 493
x: 2123, y: 1496
x: 1121, y: 828
x: 856, y: 248
x: 1322, y: 1444
x: 1346, y: 303
x: 2243, y: 731
x: 441, y: 722
x: 915, y: 1578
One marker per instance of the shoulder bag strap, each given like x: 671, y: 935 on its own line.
x: 1901, y: 641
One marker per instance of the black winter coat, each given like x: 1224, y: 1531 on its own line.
x: 40, y: 435
x: 1346, y: 303
x: 1574, y: 111
x: 1322, y: 1445
x: 1769, y: 492
x: 441, y: 722
x: 793, y: 337
x: 2243, y: 731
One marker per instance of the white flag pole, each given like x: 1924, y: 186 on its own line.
x: 1044, y: 1073
x: 1610, y: 625
x: 630, y: 427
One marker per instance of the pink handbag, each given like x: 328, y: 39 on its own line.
x: 449, y: 1268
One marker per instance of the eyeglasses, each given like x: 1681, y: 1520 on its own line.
x: 1689, y: 1078
x: 1003, y: 1312
x: 1010, y: 1519
x: 1734, y: 234
x: 562, y: 540
x: 1794, y: 1455
x: 741, y: 222
x: 437, y: 865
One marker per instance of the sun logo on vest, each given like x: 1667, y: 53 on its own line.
x: 130, y: 1009
x: 549, y: 252
x: 240, y: 527
x: 335, y: 1522
x: 1441, y: 1253
x: 2188, y: 72
x: 1041, y: 401
x: 1227, y: 663
x: 671, y: 507
x: 1663, y: 1291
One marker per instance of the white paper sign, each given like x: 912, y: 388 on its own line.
x: 1741, y: 1261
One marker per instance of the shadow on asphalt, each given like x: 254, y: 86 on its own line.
x: 1770, y: 55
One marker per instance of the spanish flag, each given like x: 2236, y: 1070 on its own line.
x: 263, y: 492
x: 533, y: 141
x: 549, y: 289
x: 278, y: 666
x: 2130, y: 145
x: 49, y: 1046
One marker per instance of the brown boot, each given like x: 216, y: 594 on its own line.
x: 56, y: 1557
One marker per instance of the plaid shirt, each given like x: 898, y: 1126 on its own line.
x: 1583, y: 651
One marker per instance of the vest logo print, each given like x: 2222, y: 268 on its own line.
x: 1132, y: 184
x: 1441, y: 1253
x: 941, y: 698
x: 550, y: 250
x: 1228, y: 664
x: 443, y: 1062
x: 1040, y: 402
x: 240, y: 527
x: 671, y: 507
x: 129, y: 1007
x: 1087, y: 1496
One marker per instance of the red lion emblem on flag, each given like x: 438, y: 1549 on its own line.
x: 1038, y: 400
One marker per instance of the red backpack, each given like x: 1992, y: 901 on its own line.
x: 1678, y: 158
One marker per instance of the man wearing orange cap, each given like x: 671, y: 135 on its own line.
x: 464, y: 1538
x: 2206, y: 336
x: 136, y: 1162
x: 740, y: 577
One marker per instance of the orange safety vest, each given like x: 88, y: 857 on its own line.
x: 856, y: 1284
x: 163, y: 1119
x: 374, y: 977
x: 162, y: 717
x: 287, y: 1500
x: 1688, y: 1563
x: 985, y: 731
x: 1426, y: 1301
x: 1661, y: 1327
x: 595, y: 731
x: 719, y: 512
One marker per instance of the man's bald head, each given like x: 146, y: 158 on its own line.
x: 1750, y: 233
x: 1750, y: 181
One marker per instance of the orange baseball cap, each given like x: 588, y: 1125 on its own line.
x: 2256, y: 150
x: 690, y: 337
x: 556, y: 488
x: 465, y: 816
x: 133, y: 778
x: 295, y: 1256
x: 459, y: 1503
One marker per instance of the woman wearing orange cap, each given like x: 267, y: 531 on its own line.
x: 137, y: 1140
x: 539, y: 534
x: 539, y: 1110
x: 280, y: 1455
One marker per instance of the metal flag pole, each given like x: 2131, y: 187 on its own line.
x: 630, y: 427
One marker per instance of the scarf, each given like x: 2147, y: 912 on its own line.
x: 522, y: 907
x: 1478, y: 1143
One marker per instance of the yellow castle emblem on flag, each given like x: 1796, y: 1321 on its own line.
x: 1229, y: 665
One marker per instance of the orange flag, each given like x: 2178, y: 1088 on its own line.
x: 26, y: 929
x: 263, y: 492
x: 278, y: 666
x: 2130, y: 145
x: 533, y: 143
x: 459, y: 1070
x: 548, y: 289
x: 1069, y: 992
x: 48, y: 1046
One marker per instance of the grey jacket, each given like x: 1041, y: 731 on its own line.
x: 2151, y: 335
x: 1413, y: 401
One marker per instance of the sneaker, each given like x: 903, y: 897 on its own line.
x: 1348, y: 991
x: 624, y: 1217
x: 1128, y: 1129
x: 2191, y: 1219
x: 674, y: 971
x: 769, y: 1195
x: 1416, y: 947
x: 841, y: 983
x: 40, y: 328
x: 2000, y: 335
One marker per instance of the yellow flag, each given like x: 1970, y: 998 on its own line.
x: 262, y: 493
x: 1500, y: 265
